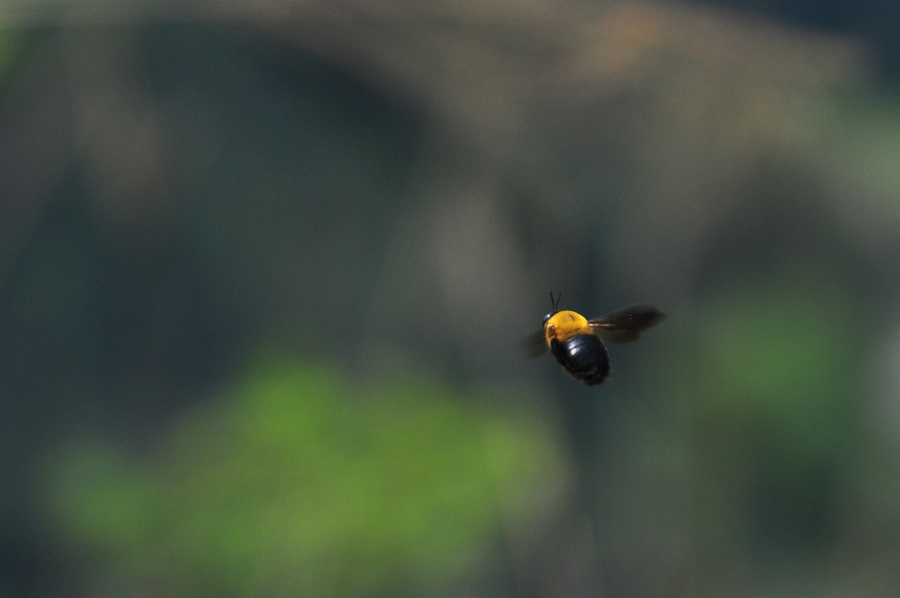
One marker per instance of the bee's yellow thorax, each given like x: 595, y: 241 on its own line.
x: 565, y: 324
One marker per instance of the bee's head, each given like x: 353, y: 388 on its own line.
x: 553, y: 307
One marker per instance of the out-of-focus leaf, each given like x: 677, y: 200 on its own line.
x: 296, y: 484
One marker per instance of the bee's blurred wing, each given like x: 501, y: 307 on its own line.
x: 534, y: 345
x: 626, y: 325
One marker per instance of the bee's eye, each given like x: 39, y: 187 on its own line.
x: 547, y: 317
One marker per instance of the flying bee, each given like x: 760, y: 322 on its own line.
x: 578, y: 343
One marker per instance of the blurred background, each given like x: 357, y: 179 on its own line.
x: 265, y: 267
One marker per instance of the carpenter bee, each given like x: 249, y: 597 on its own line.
x: 577, y: 343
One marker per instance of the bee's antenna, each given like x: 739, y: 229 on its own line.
x: 553, y: 303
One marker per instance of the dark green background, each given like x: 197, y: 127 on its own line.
x: 261, y: 298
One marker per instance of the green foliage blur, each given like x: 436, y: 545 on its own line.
x: 297, y: 483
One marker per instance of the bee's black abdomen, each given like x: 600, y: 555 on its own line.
x: 584, y: 356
